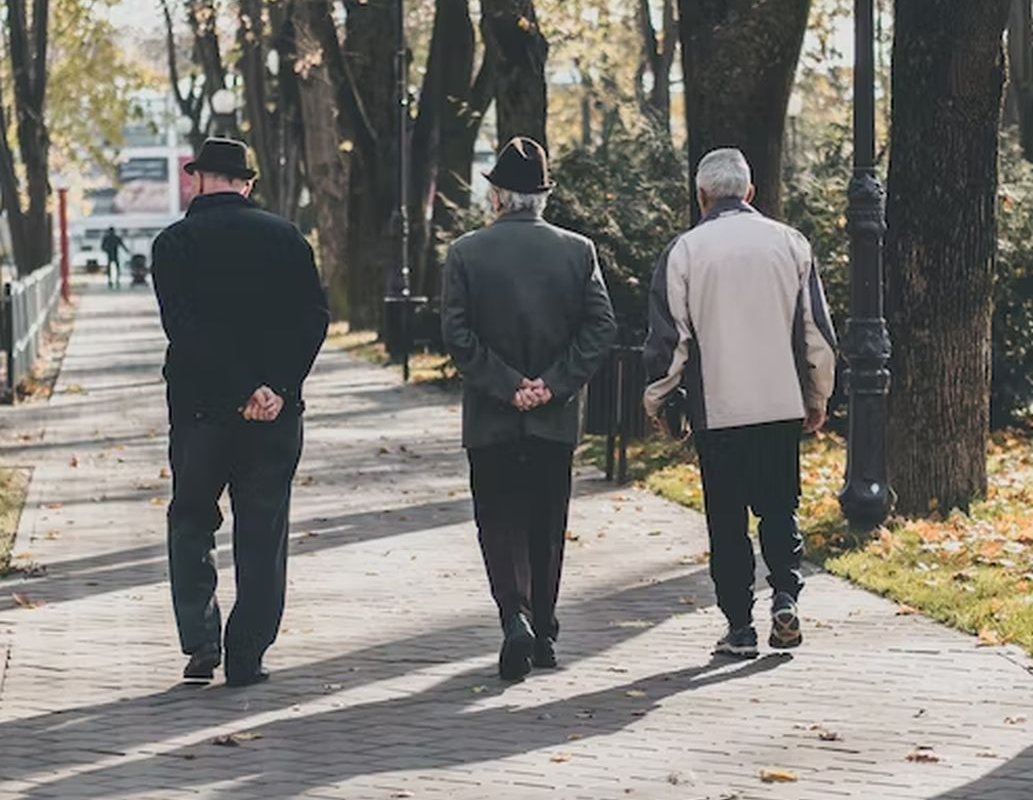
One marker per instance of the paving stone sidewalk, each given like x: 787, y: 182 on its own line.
x: 384, y: 677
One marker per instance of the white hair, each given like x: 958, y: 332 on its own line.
x: 724, y: 174
x: 510, y: 202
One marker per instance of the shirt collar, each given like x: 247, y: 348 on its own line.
x: 206, y: 202
x: 519, y: 216
x: 728, y: 205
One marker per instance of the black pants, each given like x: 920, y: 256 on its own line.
x: 521, y: 494
x: 755, y: 467
x: 257, y: 462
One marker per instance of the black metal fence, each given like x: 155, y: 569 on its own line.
x: 26, y: 308
x: 614, y: 407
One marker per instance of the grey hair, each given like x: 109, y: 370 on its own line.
x: 724, y: 174
x: 510, y: 201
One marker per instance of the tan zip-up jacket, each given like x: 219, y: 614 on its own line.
x: 738, y: 317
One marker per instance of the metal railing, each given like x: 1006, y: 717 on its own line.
x: 614, y: 407
x: 26, y: 308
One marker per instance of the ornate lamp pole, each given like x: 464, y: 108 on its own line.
x: 866, y: 497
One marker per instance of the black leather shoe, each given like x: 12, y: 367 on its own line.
x: 517, y: 649
x: 202, y: 664
x: 239, y: 678
x: 545, y: 653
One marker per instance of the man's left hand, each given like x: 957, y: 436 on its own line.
x: 263, y: 406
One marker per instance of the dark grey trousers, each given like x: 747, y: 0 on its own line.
x: 257, y: 462
x: 756, y: 468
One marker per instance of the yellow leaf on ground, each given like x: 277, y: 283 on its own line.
x: 165, y: 473
x: 988, y: 637
x: 636, y: 693
x: 923, y: 755
x: 559, y: 758
x: 906, y: 611
x: 24, y: 601
x: 778, y: 776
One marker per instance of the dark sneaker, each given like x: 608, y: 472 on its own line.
x: 201, y: 666
x: 544, y: 653
x: 739, y: 642
x: 517, y: 649
x: 785, y: 623
x: 246, y: 677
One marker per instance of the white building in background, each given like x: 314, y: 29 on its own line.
x: 150, y: 190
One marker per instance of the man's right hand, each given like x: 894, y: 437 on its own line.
x: 814, y: 421
x: 264, y: 405
x: 531, y: 394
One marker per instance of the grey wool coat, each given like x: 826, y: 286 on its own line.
x: 524, y: 299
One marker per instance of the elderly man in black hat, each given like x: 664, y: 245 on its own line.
x: 527, y: 319
x: 245, y: 315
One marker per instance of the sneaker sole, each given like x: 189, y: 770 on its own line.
x: 738, y: 651
x: 515, y: 662
x: 785, y: 630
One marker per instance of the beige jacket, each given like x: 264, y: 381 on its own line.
x: 738, y: 317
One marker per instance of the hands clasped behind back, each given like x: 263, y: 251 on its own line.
x: 531, y: 394
x: 264, y: 405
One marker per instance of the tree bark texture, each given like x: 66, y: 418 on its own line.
x: 1020, y: 72
x: 31, y: 231
x: 658, y: 50
x: 364, y: 76
x: 327, y: 163
x: 510, y: 30
x: 948, y: 74
x: 202, y: 16
x: 271, y: 103
x: 739, y: 58
x: 190, y: 104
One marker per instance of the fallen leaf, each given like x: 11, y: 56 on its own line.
x: 24, y: 601
x: 570, y: 536
x: 923, y: 755
x: 157, y: 501
x: 574, y: 737
x: 1016, y: 720
x: 636, y: 693
x: 778, y: 776
x: 988, y: 637
x: 560, y: 758
x: 986, y: 754
x: 829, y: 736
x: 74, y: 462
x: 905, y: 610
x: 235, y: 739
x: 55, y: 506
x: 165, y: 473
x: 479, y: 689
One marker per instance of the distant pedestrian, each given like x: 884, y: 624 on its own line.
x: 112, y: 244
x: 245, y: 316
x: 527, y: 319
x: 739, y: 323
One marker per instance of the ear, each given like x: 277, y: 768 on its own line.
x: 249, y: 187
x: 701, y: 198
x: 750, y: 193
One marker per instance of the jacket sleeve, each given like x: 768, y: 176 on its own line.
x: 188, y: 332
x: 666, y: 349
x: 819, y: 341
x: 305, y: 316
x: 480, y: 366
x: 594, y: 336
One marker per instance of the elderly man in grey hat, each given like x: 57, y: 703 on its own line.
x: 527, y: 319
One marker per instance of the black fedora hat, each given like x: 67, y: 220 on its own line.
x: 522, y: 167
x: 222, y: 157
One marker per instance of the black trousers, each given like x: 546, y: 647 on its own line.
x: 755, y: 467
x: 521, y: 495
x: 257, y: 461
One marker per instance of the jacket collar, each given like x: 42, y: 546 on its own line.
x: 206, y: 202
x: 519, y: 216
x: 728, y: 206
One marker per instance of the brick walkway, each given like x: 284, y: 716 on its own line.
x: 384, y: 683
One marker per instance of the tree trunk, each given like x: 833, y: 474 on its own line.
x: 202, y: 17
x: 948, y: 74
x: 30, y: 226
x: 739, y: 58
x: 367, y: 71
x: 328, y: 164
x: 510, y: 29
x: 1020, y: 72
x: 191, y: 104
x: 271, y: 103
x: 658, y: 57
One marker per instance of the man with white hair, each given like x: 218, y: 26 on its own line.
x: 527, y: 319
x: 740, y: 336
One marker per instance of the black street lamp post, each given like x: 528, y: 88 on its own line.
x: 866, y: 497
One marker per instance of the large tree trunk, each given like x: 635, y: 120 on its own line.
x: 1020, y: 72
x: 510, y: 30
x: 948, y: 74
x: 365, y: 82
x: 328, y: 164
x: 739, y: 58
x: 31, y: 233
x: 271, y: 103
x: 202, y: 17
x: 191, y: 104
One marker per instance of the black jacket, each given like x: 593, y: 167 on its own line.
x: 242, y: 306
x: 524, y: 298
